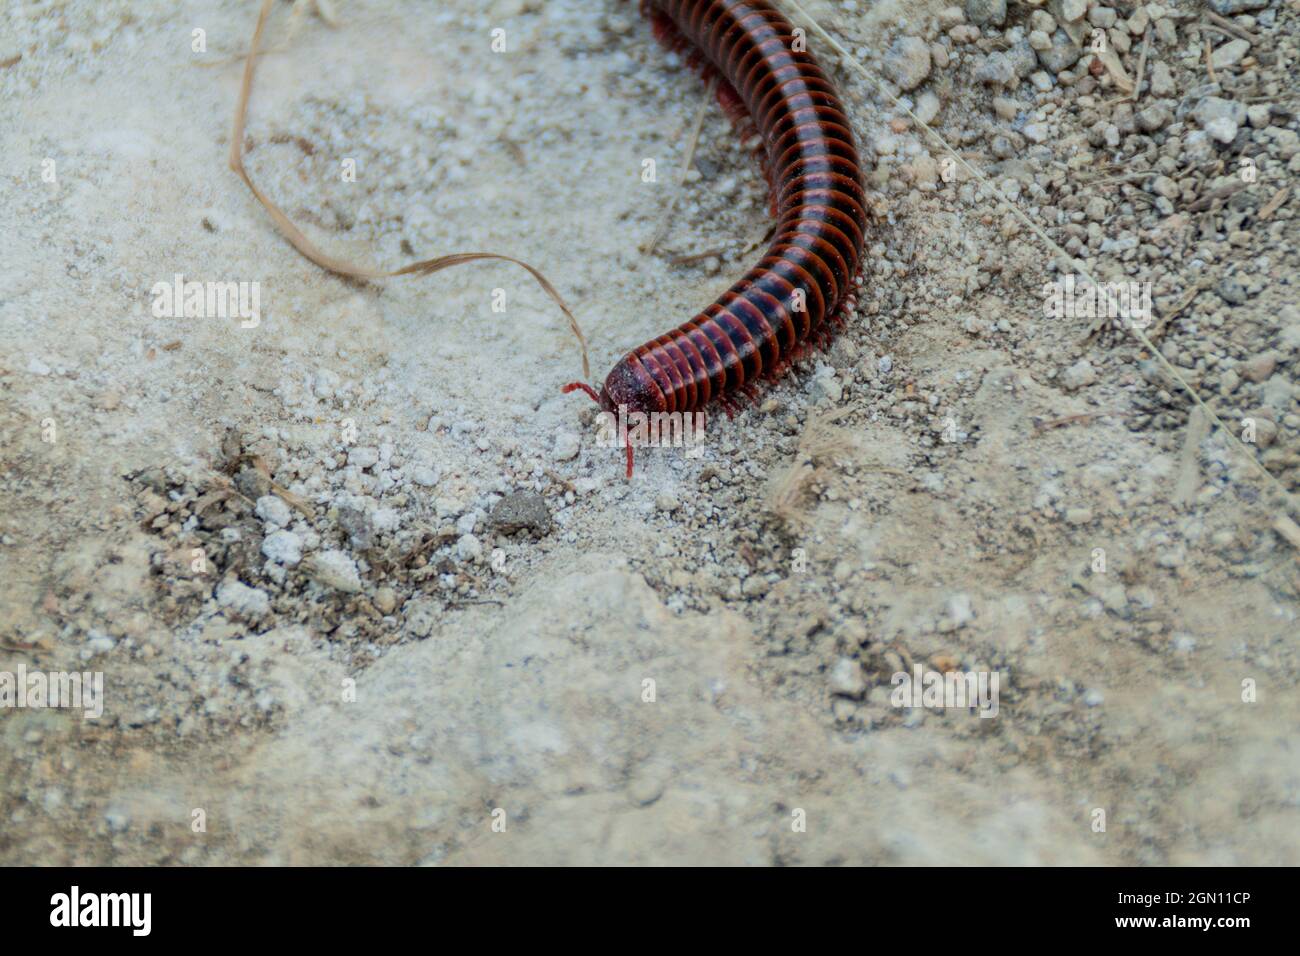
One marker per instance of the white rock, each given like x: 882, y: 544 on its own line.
x: 959, y: 610
x: 1230, y: 54
x: 273, y: 510
x: 846, y: 678
x: 826, y: 388
x: 1216, y: 107
x: 363, y: 457
x: 566, y: 446
x: 337, y: 570
x: 99, y: 643
x: 325, y: 384
x: 1222, y: 129
x: 240, y: 599
x: 1079, y: 375
x: 1036, y: 132
x: 386, y: 520
x: 907, y: 62
x: 1072, y: 10
x: 283, y: 547
x: 1162, y: 81
x: 469, y: 548
x: 927, y: 107
x: 425, y: 477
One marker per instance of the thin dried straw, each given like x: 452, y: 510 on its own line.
x: 340, y: 266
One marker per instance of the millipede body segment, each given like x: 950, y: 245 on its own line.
x: 804, y: 281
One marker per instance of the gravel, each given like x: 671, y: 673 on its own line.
x: 434, y: 513
x: 336, y: 570
x: 907, y: 62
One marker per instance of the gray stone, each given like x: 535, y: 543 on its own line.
x: 521, y: 511
x: 356, y: 520
x: 421, y: 616
x: 1061, y: 55
x: 959, y: 611
x: 1229, y: 54
x: 1070, y: 10
x: 1222, y: 129
x: 1162, y: 81
x: 907, y: 62
x: 1103, y: 17
x: 997, y: 70
x: 1164, y: 186
x: 1024, y: 59
x: 1153, y: 117
x: 985, y: 13
x: 1212, y: 108
x: 1079, y: 375
x: 1231, y: 291
x: 425, y: 476
x: 242, y: 601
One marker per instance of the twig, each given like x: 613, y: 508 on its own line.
x: 339, y: 266
x: 696, y: 257
x: 1187, y: 300
x: 1128, y: 177
x: 1142, y: 64
x: 1274, y: 204
x: 1214, y: 29
x: 19, y: 646
x: 1232, y: 28
x: 1081, y: 417
x: 1210, y: 198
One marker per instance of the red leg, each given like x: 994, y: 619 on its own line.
x: 575, y: 386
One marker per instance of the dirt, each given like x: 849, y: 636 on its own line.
x: 364, y: 588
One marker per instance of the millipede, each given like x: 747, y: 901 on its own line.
x: 803, y: 287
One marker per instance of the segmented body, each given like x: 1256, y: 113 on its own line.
x: 761, y: 323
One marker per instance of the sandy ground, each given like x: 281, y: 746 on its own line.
x: 426, y: 602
